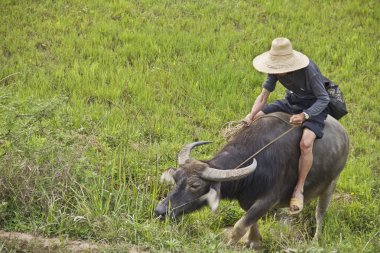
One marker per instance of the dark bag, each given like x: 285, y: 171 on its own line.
x: 337, y: 106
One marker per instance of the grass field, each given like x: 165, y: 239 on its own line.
x: 97, y: 97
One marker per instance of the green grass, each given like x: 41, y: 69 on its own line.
x: 97, y: 98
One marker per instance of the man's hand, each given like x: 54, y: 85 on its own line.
x: 248, y: 119
x: 297, y: 119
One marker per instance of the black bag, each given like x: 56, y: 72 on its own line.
x: 337, y: 106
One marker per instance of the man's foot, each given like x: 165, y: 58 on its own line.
x: 296, y: 203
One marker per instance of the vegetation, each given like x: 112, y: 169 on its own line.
x: 97, y: 98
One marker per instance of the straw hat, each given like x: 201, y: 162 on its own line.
x: 281, y: 58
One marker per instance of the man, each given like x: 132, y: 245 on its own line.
x: 306, y: 100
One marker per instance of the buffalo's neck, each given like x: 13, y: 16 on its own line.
x: 230, y: 189
x: 226, y: 160
x: 233, y: 157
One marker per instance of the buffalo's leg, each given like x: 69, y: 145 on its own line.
x: 323, y: 203
x: 254, y: 237
x: 240, y: 228
x: 257, y: 210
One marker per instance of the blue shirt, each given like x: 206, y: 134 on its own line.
x: 304, y: 84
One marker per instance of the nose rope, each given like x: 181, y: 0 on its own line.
x: 201, y: 198
x: 294, y: 126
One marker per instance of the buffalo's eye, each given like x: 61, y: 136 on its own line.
x: 195, y: 186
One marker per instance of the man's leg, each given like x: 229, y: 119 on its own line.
x: 304, y: 165
x: 259, y: 114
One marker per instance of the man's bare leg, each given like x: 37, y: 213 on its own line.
x: 304, y: 165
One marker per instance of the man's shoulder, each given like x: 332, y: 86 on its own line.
x: 312, y: 68
x: 312, y: 72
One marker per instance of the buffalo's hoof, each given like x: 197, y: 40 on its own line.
x: 232, y: 242
x: 253, y: 245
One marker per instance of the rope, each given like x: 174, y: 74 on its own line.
x: 294, y: 126
x: 230, y: 129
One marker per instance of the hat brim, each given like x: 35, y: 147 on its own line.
x: 274, y: 64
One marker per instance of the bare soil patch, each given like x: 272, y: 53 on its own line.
x: 24, y: 242
x: 32, y: 243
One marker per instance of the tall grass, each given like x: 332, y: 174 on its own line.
x: 96, y: 99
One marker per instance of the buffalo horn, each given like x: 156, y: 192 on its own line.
x: 212, y: 174
x: 184, y: 154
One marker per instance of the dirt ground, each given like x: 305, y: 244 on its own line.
x: 23, y: 242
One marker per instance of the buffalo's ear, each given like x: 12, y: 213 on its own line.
x: 213, y: 197
x: 168, y: 176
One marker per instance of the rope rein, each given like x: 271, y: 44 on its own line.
x: 293, y: 126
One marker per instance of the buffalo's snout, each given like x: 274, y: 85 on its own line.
x: 160, y: 211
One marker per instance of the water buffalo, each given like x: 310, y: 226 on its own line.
x: 263, y: 184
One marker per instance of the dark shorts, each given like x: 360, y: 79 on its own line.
x: 315, y: 123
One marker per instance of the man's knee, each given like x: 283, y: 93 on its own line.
x: 307, y: 140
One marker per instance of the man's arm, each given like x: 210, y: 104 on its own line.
x: 322, y: 96
x: 260, y: 101
x: 323, y: 99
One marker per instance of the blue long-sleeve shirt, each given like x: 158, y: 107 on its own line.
x: 306, y: 84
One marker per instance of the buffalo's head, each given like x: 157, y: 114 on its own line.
x: 196, y: 184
